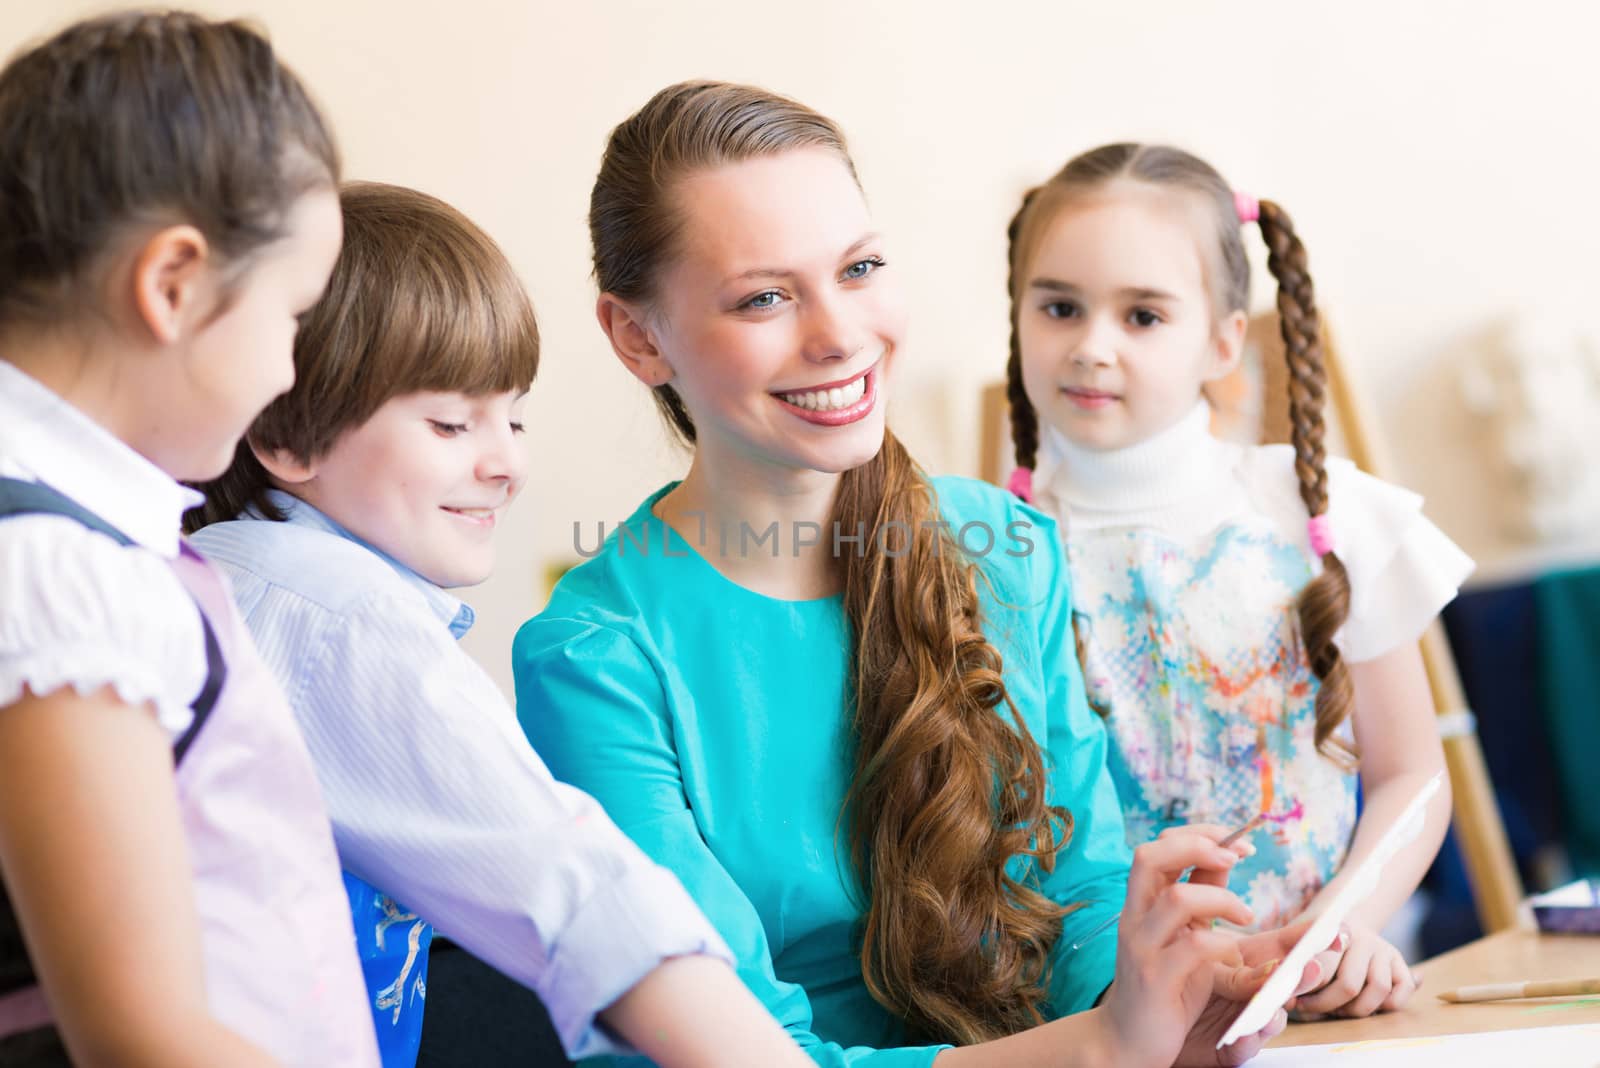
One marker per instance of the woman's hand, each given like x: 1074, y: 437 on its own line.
x: 1179, y: 984
x: 1234, y: 984
x: 1169, y: 960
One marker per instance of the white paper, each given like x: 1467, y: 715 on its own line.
x: 1573, y: 1046
x: 1580, y: 894
x: 1280, y: 985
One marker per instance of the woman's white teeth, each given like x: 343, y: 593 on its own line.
x: 828, y: 400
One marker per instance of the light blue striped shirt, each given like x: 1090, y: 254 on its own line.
x: 434, y: 793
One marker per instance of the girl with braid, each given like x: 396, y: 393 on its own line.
x: 804, y: 680
x: 1247, y: 617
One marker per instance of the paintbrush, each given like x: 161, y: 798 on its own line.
x: 1107, y: 923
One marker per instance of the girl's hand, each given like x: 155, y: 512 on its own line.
x: 1168, y: 957
x: 1371, y: 977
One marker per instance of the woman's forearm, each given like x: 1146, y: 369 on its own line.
x: 1077, y: 1041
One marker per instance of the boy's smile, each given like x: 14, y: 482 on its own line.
x: 425, y: 481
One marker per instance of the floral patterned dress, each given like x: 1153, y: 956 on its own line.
x: 1196, y: 656
x: 1187, y: 555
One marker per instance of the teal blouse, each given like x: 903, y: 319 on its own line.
x: 714, y: 725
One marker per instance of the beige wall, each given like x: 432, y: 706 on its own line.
x: 1440, y: 161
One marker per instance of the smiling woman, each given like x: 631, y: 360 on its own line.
x: 868, y: 756
x: 756, y: 307
x: 752, y: 345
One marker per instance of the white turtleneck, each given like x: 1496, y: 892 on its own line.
x: 1184, y: 486
x: 1182, y: 481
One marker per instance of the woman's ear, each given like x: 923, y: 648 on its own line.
x: 633, y: 339
x: 1227, y: 345
x: 284, y: 466
x: 170, y: 280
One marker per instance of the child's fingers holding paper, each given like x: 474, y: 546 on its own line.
x: 1379, y: 985
x: 1389, y: 982
x: 1346, y: 983
x: 1328, y: 960
x: 1405, y: 984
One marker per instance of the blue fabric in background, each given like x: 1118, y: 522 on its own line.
x: 393, y: 945
x: 1568, y: 607
x: 1494, y: 634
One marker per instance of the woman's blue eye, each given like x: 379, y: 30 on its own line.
x: 1061, y: 309
x: 448, y: 430
x: 1143, y: 317
x: 768, y: 299
x: 861, y: 268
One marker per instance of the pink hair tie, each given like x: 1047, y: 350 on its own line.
x: 1320, y: 532
x: 1248, y: 207
x: 1021, y: 483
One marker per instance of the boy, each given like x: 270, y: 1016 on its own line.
x: 356, y: 499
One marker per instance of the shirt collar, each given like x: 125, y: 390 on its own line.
x: 1176, y: 464
x: 452, y: 612
x: 59, y: 445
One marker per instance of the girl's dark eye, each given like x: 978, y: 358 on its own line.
x: 1143, y: 317
x: 1061, y: 309
x: 448, y: 430
x: 517, y: 428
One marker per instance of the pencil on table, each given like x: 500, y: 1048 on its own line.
x: 1552, y: 988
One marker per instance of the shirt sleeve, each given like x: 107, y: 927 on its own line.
x: 1403, y: 569
x: 593, y: 706
x: 1091, y: 871
x: 436, y: 797
x: 79, y: 610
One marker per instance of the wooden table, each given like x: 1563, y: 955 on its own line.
x: 1501, y: 958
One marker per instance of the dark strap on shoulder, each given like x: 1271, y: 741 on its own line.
x: 206, y: 700
x: 19, y: 497
x: 32, y: 498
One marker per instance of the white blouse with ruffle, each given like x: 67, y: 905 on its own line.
x: 76, y: 608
